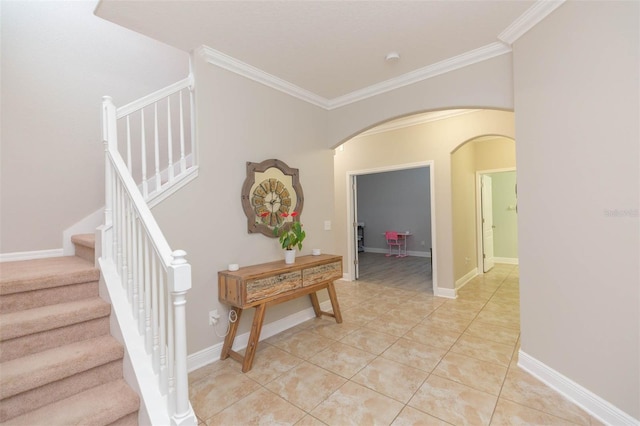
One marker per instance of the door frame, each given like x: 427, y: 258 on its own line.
x: 351, y: 203
x: 479, y: 236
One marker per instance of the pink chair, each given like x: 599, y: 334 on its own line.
x: 392, y: 240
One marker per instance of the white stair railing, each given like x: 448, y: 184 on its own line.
x: 151, y: 278
x: 156, y: 136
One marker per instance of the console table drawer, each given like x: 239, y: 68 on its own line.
x: 316, y: 274
x: 270, y: 286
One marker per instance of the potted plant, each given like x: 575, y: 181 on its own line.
x: 290, y: 236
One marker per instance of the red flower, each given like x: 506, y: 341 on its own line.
x: 294, y: 214
x: 264, y: 214
x: 285, y: 214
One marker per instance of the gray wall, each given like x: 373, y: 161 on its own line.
x: 577, y: 87
x: 396, y: 200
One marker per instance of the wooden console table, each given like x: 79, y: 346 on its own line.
x: 268, y: 284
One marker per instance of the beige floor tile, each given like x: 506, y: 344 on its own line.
x: 524, y: 389
x: 411, y: 417
x: 358, y: 316
x: 449, y: 320
x: 414, y: 354
x: 306, y: 385
x: 454, y: 402
x: 480, y: 375
x: 391, y: 324
x: 342, y: 359
x: 270, y: 362
x: 329, y: 328
x: 414, y: 312
x: 309, y: 420
x: 219, y: 390
x: 485, y: 350
x: 430, y: 334
x: 354, y: 404
x: 303, y: 344
x: 260, y: 408
x: 209, y: 369
x: 509, y: 413
x: 511, y: 321
x: 493, y: 333
x: 390, y: 378
x: 369, y: 340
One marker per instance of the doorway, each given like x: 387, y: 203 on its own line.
x: 496, y: 216
x: 375, y: 227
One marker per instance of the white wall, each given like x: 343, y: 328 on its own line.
x: 58, y: 60
x: 397, y: 200
x: 577, y: 102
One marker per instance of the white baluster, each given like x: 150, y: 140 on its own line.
x: 155, y: 359
x: 145, y: 189
x: 163, y: 334
x: 157, y: 147
x: 142, y: 266
x: 169, y: 140
x: 128, y: 144
x: 148, y: 338
x: 183, y: 161
x: 135, y: 266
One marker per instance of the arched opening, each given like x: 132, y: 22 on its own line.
x: 419, y: 141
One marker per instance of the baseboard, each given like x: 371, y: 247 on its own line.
x: 449, y: 293
x: 587, y: 400
x: 461, y: 282
x: 506, y: 260
x: 212, y: 353
x: 29, y: 255
x: 409, y: 252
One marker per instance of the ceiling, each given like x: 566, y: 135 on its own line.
x: 333, y: 53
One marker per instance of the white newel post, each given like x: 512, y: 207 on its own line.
x: 109, y: 139
x: 179, y: 275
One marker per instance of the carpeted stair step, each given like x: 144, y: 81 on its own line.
x: 42, y: 368
x: 30, y: 284
x: 33, y: 330
x: 85, y: 246
x: 112, y: 402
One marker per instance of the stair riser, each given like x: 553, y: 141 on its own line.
x: 59, y: 390
x: 86, y: 253
x: 130, y: 420
x: 37, y: 342
x: 48, y: 296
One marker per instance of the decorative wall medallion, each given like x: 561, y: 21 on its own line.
x: 270, y: 189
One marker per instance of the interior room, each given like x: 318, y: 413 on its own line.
x: 155, y: 216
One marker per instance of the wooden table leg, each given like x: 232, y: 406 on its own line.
x: 231, y: 335
x: 254, y: 337
x: 334, y: 302
x: 316, y: 304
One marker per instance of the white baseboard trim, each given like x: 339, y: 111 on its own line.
x: 587, y: 400
x: 409, y: 252
x: 449, y: 293
x: 461, y: 282
x: 212, y: 353
x: 87, y: 225
x: 506, y: 260
x: 29, y: 255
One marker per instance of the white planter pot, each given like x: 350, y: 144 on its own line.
x: 289, y: 257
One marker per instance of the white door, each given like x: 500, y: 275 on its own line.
x: 354, y: 221
x: 487, y: 223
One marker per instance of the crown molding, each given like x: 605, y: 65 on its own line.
x: 221, y: 60
x: 531, y: 17
x: 468, y: 58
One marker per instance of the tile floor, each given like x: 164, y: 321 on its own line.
x: 400, y: 357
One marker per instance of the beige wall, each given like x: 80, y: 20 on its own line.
x: 487, y: 153
x: 240, y: 120
x: 426, y: 142
x: 577, y: 106
x: 58, y: 60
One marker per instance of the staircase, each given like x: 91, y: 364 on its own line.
x: 58, y: 363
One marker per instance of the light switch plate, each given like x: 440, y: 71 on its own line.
x: 327, y: 225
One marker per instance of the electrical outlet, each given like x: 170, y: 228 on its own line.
x: 214, y: 316
x: 466, y: 260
